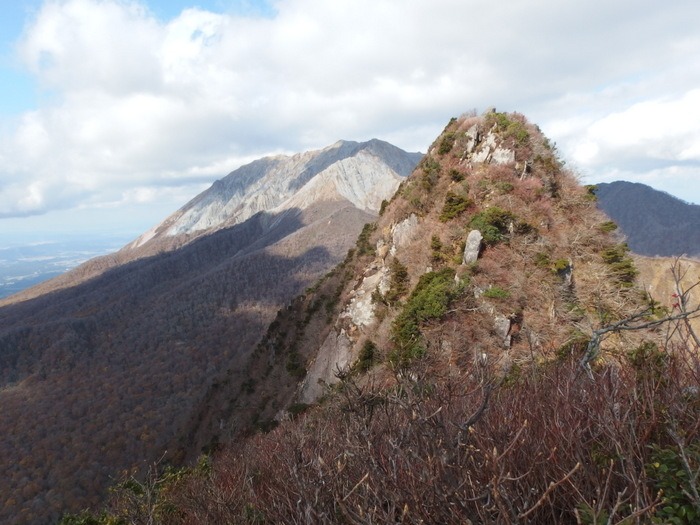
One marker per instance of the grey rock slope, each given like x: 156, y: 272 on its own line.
x: 361, y: 173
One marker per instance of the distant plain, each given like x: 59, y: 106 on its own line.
x: 26, y: 261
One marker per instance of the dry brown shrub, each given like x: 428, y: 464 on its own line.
x: 550, y: 443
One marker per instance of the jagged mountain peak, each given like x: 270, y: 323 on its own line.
x: 494, y: 180
x: 365, y: 173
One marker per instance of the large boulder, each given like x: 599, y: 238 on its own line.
x: 472, y: 247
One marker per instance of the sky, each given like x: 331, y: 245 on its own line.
x: 114, y: 113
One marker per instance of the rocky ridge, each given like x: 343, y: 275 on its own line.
x: 493, y: 196
x: 362, y: 173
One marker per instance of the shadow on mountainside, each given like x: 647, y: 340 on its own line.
x: 103, y: 376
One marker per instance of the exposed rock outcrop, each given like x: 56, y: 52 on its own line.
x: 360, y: 310
x: 403, y: 233
x: 335, y: 354
x: 501, y: 325
x: 472, y: 247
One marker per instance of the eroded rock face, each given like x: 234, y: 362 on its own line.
x: 360, y: 310
x: 486, y: 150
x: 483, y: 154
x: 473, y: 136
x: 335, y: 354
x: 472, y: 247
x: 403, y: 233
x: 502, y: 156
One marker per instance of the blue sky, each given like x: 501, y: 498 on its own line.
x: 114, y: 113
x: 18, y: 89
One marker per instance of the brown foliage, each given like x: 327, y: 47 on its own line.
x: 545, y: 446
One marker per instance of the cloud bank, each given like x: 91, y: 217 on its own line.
x: 135, y: 110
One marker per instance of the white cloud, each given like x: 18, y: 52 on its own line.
x: 656, y: 142
x: 137, y: 109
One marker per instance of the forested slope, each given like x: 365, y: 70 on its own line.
x: 654, y: 222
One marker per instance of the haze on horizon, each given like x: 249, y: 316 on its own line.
x: 103, y: 132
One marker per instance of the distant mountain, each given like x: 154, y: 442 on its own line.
x: 654, y: 222
x: 363, y: 173
x: 108, y: 367
x: 358, y: 174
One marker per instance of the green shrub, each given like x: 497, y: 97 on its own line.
x: 363, y: 245
x: 454, y: 205
x: 431, y: 172
x: 608, y: 226
x: 496, y: 292
x: 493, y: 223
x: 367, y: 356
x: 504, y: 187
x: 542, y: 260
x: 417, y: 204
x: 294, y: 366
x: 590, y: 192
x: 649, y: 362
x: 383, y: 206
x: 560, y: 265
x: 446, y: 143
x: 430, y: 299
x: 436, y: 246
x: 398, y: 283
x: 669, y: 474
x: 621, y: 264
x: 456, y: 175
x: 575, y: 346
x: 509, y: 128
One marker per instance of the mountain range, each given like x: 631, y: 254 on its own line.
x: 349, y: 339
x: 485, y: 354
